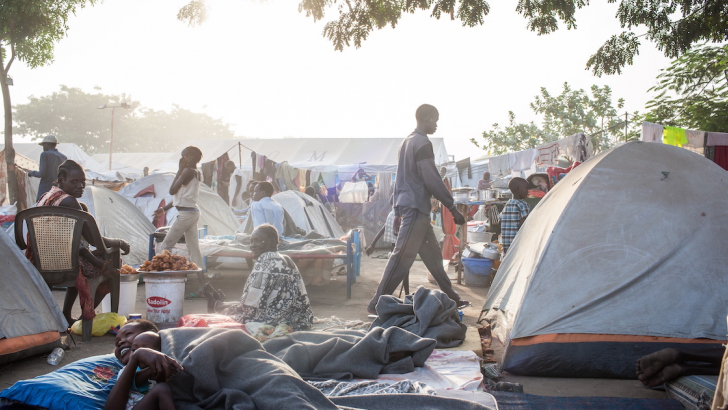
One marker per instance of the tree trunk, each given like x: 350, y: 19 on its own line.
x: 9, y: 150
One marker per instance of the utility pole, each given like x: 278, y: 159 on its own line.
x: 113, y: 110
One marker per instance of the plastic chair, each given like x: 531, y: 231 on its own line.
x: 55, y: 234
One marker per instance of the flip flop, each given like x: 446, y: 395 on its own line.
x: 195, y: 296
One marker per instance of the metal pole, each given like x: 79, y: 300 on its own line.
x: 625, y: 127
x: 240, y: 155
x: 111, y: 143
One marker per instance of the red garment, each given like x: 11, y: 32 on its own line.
x: 450, y: 242
x: 85, y: 269
x: 160, y: 221
x: 553, y: 172
x: 536, y: 193
x: 721, y: 156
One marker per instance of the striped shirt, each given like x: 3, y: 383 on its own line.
x: 514, y: 211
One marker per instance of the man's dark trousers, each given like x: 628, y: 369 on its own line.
x: 415, y: 236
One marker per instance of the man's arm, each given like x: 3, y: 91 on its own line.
x: 43, y: 167
x: 425, y: 159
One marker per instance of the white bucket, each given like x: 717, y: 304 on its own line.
x: 127, y: 299
x: 165, y: 297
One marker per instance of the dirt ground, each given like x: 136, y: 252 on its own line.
x: 330, y: 300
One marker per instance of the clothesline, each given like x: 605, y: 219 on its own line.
x: 712, y: 145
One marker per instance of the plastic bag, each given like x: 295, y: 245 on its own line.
x: 103, y: 322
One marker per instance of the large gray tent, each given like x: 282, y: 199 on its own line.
x: 624, y: 256
x: 30, y: 319
x: 117, y: 217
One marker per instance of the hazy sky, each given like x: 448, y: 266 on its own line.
x: 265, y: 68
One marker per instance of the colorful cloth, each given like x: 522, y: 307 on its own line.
x: 82, y: 385
x: 274, y: 294
x: 86, y: 270
x: 674, y: 136
x: 514, y: 211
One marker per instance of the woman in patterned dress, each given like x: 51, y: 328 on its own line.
x: 273, y: 294
x: 71, y: 184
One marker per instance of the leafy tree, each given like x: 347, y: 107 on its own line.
x: 673, y: 25
x: 570, y: 112
x: 28, y: 32
x: 72, y: 115
x: 693, y: 91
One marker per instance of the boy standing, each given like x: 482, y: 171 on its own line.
x: 514, y: 213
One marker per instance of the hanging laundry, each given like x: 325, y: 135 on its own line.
x: 462, y: 165
x: 500, y: 165
x: 651, y: 132
x: 717, y: 139
x: 548, y: 153
x: 696, y: 139
x: 207, y: 171
x: 269, y: 170
x: 222, y: 189
x: 721, y: 156
x: 254, y: 160
x: 674, y: 136
x: 288, y: 174
x: 523, y: 160
x: 301, y: 179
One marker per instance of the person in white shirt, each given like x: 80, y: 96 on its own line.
x: 236, y: 185
x: 264, y: 209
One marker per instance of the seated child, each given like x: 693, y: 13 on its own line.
x: 514, y: 213
x: 141, y: 393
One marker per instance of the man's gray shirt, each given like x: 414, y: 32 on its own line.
x: 49, y: 162
x: 417, y: 177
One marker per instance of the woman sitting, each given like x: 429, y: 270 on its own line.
x: 71, y: 184
x: 273, y: 294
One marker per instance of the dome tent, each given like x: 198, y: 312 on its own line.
x: 117, y: 217
x: 153, y: 189
x: 615, y: 263
x: 309, y: 214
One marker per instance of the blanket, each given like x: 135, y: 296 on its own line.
x: 427, y: 313
x: 228, y: 369
x: 348, y: 354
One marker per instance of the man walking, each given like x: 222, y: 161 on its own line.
x: 417, y: 181
x: 50, y: 160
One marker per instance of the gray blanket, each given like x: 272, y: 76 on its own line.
x: 427, y: 313
x: 348, y: 354
x: 228, y: 369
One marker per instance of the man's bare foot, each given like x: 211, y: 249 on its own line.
x: 667, y: 374
x: 652, y: 364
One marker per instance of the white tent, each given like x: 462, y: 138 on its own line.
x: 625, y: 256
x: 30, y: 318
x: 320, y: 154
x: 132, y: 163
x: 309, y: 214
x: 72, y: 151
x: 118, y: 217
x: 214, y: 212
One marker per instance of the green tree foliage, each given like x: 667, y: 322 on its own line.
x: 29, y: 30
x: 72, y: 116
x: 568, y: 113
x: 693, y: 91
x: 673, y: 25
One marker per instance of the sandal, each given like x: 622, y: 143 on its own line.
x: 195, y: 296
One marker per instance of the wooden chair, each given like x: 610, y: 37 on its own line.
x: 55, y: 235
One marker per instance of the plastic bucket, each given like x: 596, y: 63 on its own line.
x: 127, y: 299
x: 165, y: 297
x: 477, y: 271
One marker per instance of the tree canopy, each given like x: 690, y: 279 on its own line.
x: 674, y: 26
x: 568, y: 113
x: 72, y: 115
x: 693, y: 91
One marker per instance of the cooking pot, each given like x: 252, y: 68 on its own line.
x: 461, y: 194
x: 505, y: 194
x: 486, y: 194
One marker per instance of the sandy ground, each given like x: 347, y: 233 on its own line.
x: 330, y: 300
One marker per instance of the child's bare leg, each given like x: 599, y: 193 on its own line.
x: 159, y: 398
